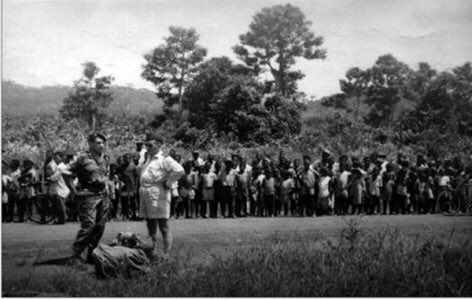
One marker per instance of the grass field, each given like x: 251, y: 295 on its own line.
x: 428, y: 255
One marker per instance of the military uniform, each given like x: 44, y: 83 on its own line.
x: 93, y: 208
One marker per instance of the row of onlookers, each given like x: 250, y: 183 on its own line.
x: 265, y: 187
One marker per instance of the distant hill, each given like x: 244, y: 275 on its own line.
x: 20, y: 100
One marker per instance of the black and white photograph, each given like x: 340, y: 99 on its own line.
x: 236, y: 148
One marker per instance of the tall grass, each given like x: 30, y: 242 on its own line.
x: 355, y: 263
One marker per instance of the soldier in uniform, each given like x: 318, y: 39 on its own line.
x: 91, y: 169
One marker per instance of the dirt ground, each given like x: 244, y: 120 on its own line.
x: 24, y: 244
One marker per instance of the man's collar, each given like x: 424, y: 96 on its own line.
x: 159, y: 154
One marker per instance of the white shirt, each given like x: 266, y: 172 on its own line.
x: 6, y: 179
x: 58, y: 184
x: 374, y: 185
x: 158, y: 174
x: 200, y: 161
x: 323, y: 185
x: 247, y: 169
x: 444, y: 181
x: 142, y: 156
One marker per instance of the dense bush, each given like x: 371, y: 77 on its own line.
x: 32, y: 137
x: 341, y: 133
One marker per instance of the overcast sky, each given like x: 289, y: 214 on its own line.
x: 45, y: 42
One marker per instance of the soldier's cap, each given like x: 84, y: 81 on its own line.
x: 139, y: 143
x: 382, y: 155
x: 154, y: 137
x: 94, y: 135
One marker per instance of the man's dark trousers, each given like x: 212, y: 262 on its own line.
x: 93, y: 215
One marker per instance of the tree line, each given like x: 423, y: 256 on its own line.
x: 257, y: 100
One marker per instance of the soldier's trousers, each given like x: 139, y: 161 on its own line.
x: 93, y: 215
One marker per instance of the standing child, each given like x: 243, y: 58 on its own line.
x: 389, y: 184
x: 208, y: 178
x: 341, y: 195
x: 28, y: 187
x: 7, y: 183
x: 253, y: 196
x: 295, y: 195
x: 357, y: 188
x: 196, y: 196
x: 114, y: 187
x: 257, y: 182
x: 285, y: 191
x: 444, y: 195
x: 402, y: 197
x: 242, y: 178
x: 278, y: 186
x: 323, y: 192
x: 308, y: 183
x: 227, y: 178
x: 268, y: 191
x: 420, y: 192
x: 374, y: 183
x: 186, y: 191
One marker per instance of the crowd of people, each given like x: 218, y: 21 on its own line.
x: 263, y: 187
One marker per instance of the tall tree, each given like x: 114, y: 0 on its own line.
x: 387, y: 85
x: 90, y: 97
x: 276, y: 36
x: 446, y: 106
x: 355, y: 85
x: 172, y: 64
x: 226, y: 98
x: 421, y: 79
x: 213, y: 76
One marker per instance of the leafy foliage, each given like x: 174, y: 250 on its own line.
x: 446, y: 106
x: 337, y: 101
x: 213, y: 76
x: 171, y: 65
x: 354, y: 86
x: 387, y: 84
x: 90, y: 98
x: 277, y: 36
x: 25, y: 137
x: 228, y: 100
